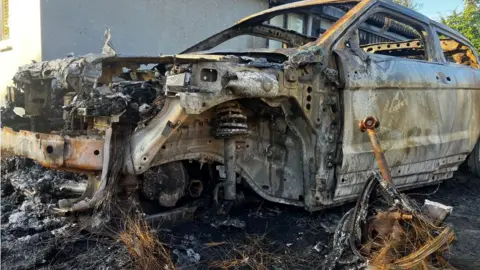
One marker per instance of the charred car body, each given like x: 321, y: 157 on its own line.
x: 283, y: 122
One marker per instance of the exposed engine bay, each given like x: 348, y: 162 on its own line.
x: 174, y: 112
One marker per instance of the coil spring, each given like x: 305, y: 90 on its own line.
x: 230, y: 120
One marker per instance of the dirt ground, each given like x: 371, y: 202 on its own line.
x: 256, y: 235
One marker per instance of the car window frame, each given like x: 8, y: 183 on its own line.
x: 431, y: 46
x: 248, y: 23
x: 439, y: 30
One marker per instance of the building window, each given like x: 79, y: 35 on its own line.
x: 296, y: 22
x: 4, y: 16
x: 278, y: 21
x: 292, y: 21
x: 319, y: 25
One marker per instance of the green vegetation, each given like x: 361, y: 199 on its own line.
x: 466, y: 22
x: 409, y: 3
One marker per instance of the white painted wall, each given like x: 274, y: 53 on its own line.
x: 141, y: 27
x: 24, y: 43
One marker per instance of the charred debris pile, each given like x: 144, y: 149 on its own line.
x: 76, y: 95
x: 34, y: 235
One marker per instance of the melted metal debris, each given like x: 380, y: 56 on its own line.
x: 84, y: 77
x: 371, y: 234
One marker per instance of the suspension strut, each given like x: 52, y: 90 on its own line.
x: 229, y: 125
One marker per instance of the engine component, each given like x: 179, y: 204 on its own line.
x: 230, y: 120
x: 67, y: 100
x: 165, y: 183
x: 230, y: 159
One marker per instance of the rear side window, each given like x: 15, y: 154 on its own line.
x: 457, y: 52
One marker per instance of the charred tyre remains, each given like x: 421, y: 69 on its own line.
x: 278, y: 122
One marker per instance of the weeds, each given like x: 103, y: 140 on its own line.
x: 143, y: 245
x: 258, y: 252
x: 253, y: 253
x: 418, y: 245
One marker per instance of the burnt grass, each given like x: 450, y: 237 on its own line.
x: 257, y: 235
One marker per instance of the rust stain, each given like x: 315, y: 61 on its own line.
x: 86, y: 153
x: 54, y: 151
x: 369, y: 124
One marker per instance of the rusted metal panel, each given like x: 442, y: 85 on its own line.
x: 54, y: 151
x: 45, y: 148
x: 459, y: 53
x: 83, y: 153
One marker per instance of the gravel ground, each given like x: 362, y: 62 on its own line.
x: 258, y: 233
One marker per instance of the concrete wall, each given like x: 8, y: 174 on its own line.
x: 24, y: 42
x: 142, y: 27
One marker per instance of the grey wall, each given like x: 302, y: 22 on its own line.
x: 141, y: 27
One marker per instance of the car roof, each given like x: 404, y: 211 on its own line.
x: 425, y: 19
x: 294, y: 5
x: 308, y: 3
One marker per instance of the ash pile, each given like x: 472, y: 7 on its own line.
x: 34, y: 236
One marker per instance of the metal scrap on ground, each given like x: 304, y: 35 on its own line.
x: 391, y: 233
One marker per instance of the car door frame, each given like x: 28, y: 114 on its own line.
x: 445, y: 30
x: 434, y: 57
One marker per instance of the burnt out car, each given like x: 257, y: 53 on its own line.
x: 281, y: 122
